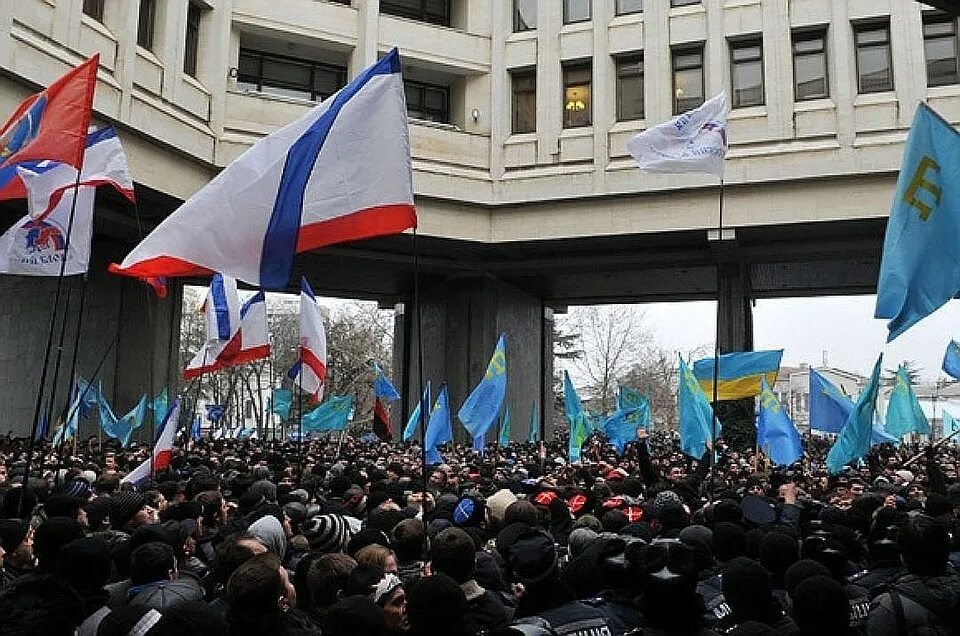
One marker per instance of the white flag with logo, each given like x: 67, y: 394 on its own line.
x: 695, y: 141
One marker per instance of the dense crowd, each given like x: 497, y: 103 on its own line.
x: 268, y: 538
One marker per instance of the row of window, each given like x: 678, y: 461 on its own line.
x: 525, y: 11
x: 147, y: 26
x: 810, y: 73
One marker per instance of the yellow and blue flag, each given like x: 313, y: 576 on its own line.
x: 414, y: 420
x: 951, y: 360
x: 904, y: 414
x: 332, y: 415
x: 482, y: 406
x: 504, y: 438
x: 918, y: 270
x: 739, y: 374
x: 776, y: 434
x: 696, y: 415
x: 439, y: 428
x: 579, y: 423
x: 855, y: 439
x: 533, y: 435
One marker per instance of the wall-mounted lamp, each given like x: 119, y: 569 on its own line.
x: 475, y: 113
x: 233, y: 72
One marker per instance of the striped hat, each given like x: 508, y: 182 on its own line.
x: 326, y: 533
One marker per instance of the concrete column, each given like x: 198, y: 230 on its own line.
x: 735, y: 311
x: 368, y: 33
x: 461, y: 321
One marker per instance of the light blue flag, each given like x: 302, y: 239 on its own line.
x: 855, y: 439
x: 195, y: 430
x: 332, y: 415
x: 160, y: 405
x: 483, y: 405
x: 951, y: 360
x: 829, y: 407
x: 904, y: 414
x: 479, y: 444
x: 880, y: 436
x: 628, y: 398
x: 414, y: 420
x: 533, y: 435
x: 696, y: 416
x: 776, y: 434
x: 88, y: 398
x: 950, y: 425
x: 505, y: 428
x: 280, y: 402
x: 579, y: 423
x: 440, y: 427
x: 621, y: 427
x: 69, y: 429
x: 43, y: 427
x: 382, y: 387
x: 918, y: 269
x: 121, y: 428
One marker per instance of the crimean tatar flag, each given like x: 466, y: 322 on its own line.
x: 339, y: 173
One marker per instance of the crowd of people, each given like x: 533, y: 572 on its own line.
x: 267, y: 538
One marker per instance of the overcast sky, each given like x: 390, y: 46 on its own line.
x: 842, y: 326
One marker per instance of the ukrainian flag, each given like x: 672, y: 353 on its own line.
x: 740, y: 373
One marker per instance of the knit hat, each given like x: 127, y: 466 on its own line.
x: 664, y: 500
x: 579, y: 539
x: 75, y: 488
x: 746, y: 584
x: 434, y: 601
x: 61, y: 505
x: 588, y: 521
x: 326, y: 533
x: 469, y: 512
x: 124, y: 506
x: 86, y: 563
x: 905, y: 475
x: 12, y: 534
x: 529, y: 552
x: 50, y: 537
x: 497, y: 503
x: 778, y: 551
x: 729, y: 541
x: 801, y: 571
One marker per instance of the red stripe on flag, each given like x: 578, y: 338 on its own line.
x: 248, y: 355
x: 378, y: 221
x: 162, y: 459
x: 316, y: 365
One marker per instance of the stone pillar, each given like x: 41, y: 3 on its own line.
x: 735, y: 309
x: 461, y: 321
x: 115, y: 309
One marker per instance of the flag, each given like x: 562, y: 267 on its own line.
x: 951, y: 360
x: 160, y: 405
x: 479, y: 444
x: 48, y: 126
x: 695, y: 141
x: 740, y: 373
x: 162, y: 450
x: 880, y: 436
x: 829, y: 407
x: 122, y: 428
x: 950, y: 425
x: 696, y: 416
x: 89, y: 396
x: 382, y: 387
x: 43, y: 427
x: 904, y: 414
x: 918, y: 271
x: 439, y: 428
x: 579, y: 425
x: 195, y: 430
x: 533, y: 435
x: 310, y: 371
x: 339, y: 173
x: 214, y: 412
x: 84, y: 398
x: 251, y: 340
x: 221, y: 309
x: 855, y: 439
x: 414, y: 420
x: 504, y: 438
x: 628, y: 398
x: 332, y: 415
x: 621, y: 427
x: 280, y: 402
x: 776, y: 434
x: 381, y: 422
x: 482, y: 406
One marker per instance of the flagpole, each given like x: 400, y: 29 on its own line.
x: 53, y: 322
x: 716, y: 353
x: 196, y: 399
x: 76, y: 349
x: 300, y: 423
x: 56, y: 366
x: 423, y: 415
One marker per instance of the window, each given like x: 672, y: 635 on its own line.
x: 746, y: 72
x: 524, y: 101
x: 432, y: 11
x: 576, y: 11
x: 288, y: 76
x: 192, y: 39
x: 577, y: 107
x: 874, y: 66
x: 688, y: 86
x: 940, y: 49
x: 629, y: 6
x: 427, y: 101
x: 94, y: 9
x: 630, y: 87
x: 683, y: 3
x: 146, y: 22
x: 810, y: 65
x: 524, y: 15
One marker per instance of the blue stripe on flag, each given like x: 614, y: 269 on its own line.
x: 221, y: 308
x: 259, y: 297
x: 280, y: 241
x: 306, y: 288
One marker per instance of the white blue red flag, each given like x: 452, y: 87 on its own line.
x: 339, y: 173
x: 310, y: 371
x: 252, y: 340
x: 221, y: 309
x: 162, y: 450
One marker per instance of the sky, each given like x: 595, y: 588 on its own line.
x: 840, y: 328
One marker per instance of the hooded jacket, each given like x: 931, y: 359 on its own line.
x: 270, y: 533
x: 920, y: 604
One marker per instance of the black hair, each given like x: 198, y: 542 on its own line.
x: 454, y: 553
x: 924, y: 546
x: 151, y: 562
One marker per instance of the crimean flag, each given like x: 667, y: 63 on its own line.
x: 740, y: 373
x: 340, y: 173
x: 310, y: 371
x: 48, y: 126
x: 381, y: 422
x: 162, y: 450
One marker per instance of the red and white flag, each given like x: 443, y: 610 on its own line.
x: 310, y: 371
x: 252, y: 340
x: 221, y: 310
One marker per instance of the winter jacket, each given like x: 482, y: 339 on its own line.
x: 915, y: 605
x: 878, y: 577
x: 485, y: 610
x: 576, y: 619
